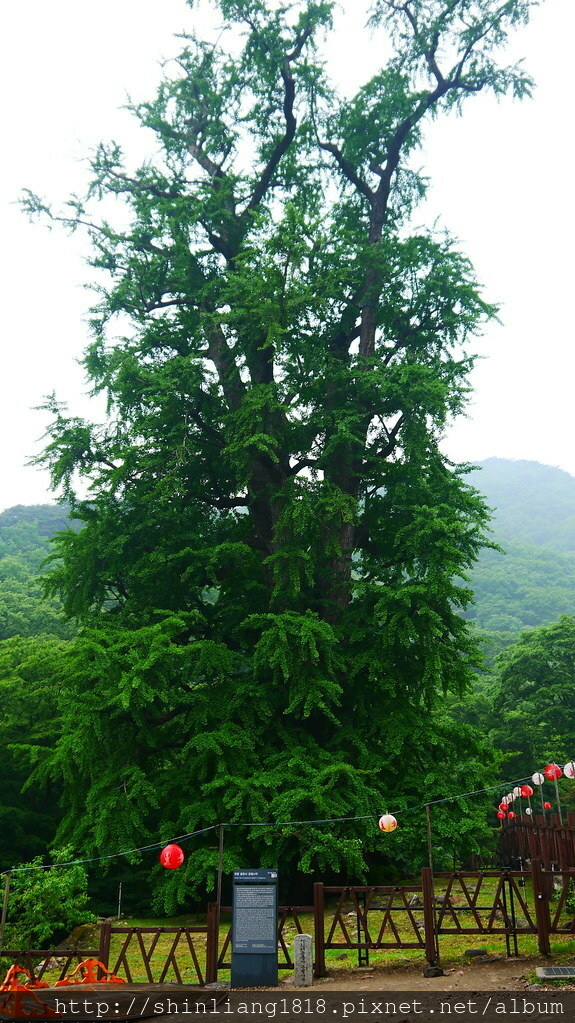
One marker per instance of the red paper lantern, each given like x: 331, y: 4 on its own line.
x: 547, y: 806
x: 503, y: 807
x: 526, y: 791
x: 500, y: 815
x: 387, y: 822
x: 552, y: 771
x: 511, y: 814
x: 172, y: 857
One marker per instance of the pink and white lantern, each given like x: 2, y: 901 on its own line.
x: 387, y: 822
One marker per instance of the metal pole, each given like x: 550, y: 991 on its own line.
x: 558, y: 801
x: 220, y: 868
x: 219, y: 892
x: 5, y: 908
x: 429, y: 843
x: 119, y: 900
x: 219, y: 886
x: 429, y: 912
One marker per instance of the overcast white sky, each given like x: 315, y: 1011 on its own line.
x: 502, y: 182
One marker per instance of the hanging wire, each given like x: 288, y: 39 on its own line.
x: 263, y: 824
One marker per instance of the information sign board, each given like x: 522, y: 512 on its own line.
x: 254, y: 928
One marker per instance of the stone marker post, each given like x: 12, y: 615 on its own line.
x: 302, y: 960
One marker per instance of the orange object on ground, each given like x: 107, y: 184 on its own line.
x: 15, y: 997
x: 19, y: 1001
x: 88, y: 974
x: 10, y: 982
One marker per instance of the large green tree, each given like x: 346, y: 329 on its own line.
x: 266, y: 573
x: 533, y: 698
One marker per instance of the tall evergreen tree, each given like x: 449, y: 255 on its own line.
x: 266, y: 573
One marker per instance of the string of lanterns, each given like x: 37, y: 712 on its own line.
x: 172, y: 856
x: 552, y: 772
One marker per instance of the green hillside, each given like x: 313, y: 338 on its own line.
x: 531, y: 582
x: 533, y: 504
x: 24, y: 545
x: 33, y: 636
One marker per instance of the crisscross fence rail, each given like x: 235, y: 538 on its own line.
x: 486, y: 902
x: 140, y: 959
x: 47, y: 964
x: 285, y: 915
x: 375, y: 917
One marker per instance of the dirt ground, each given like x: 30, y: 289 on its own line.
x: 487, y: 974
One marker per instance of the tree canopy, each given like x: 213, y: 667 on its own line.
x: 268, y: 577
x: 533, y: 697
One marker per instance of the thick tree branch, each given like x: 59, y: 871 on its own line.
x: 240, y: 501
x: 283, y: 143
x: 349, y: 171
x: 391, y: 435
x: 302, y: 464
x: 228, y: 372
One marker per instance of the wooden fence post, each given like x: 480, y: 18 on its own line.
x: 318, y: 927
x: 104, y: 945
x: 431, y: 938
x: 540, y: 896
x: 213, y: 942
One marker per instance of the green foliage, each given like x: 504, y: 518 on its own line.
x: 268, y: 577
x: 24, y: 546
x: 30, y: 677
x: 534, y: 699
x: 46, y: 903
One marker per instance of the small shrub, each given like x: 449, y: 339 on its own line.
x: 46, y: 903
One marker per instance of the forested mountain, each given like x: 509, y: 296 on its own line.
x: 531, y: 580
x: 532, y: 504
x: 45, y: 520
x: 33, y: 636
x: 24, y: 546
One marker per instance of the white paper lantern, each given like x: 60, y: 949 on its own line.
x: 387, y: 822
x: 537, y: 778
x: 528, y: 810
x: 569, y: 769
x: 517, y: 791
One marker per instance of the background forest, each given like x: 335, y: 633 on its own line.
x: 521, y: 702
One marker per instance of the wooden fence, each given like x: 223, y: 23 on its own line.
x: 360, y: 918
x: 544, y: 838
x: 133, y: 953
